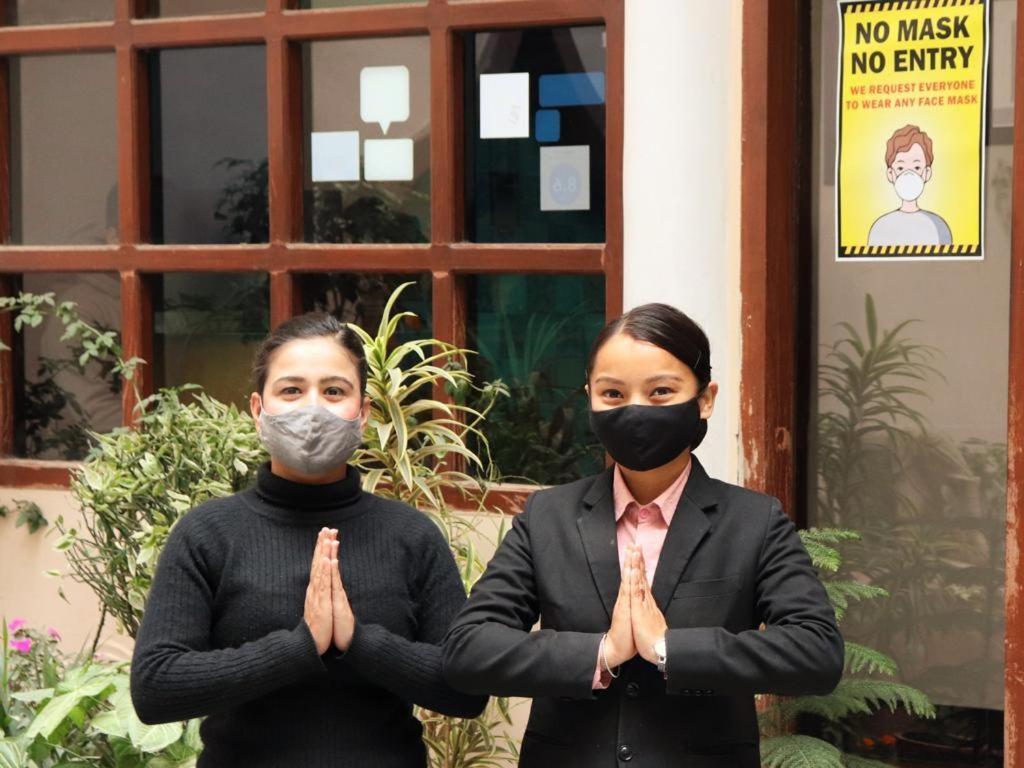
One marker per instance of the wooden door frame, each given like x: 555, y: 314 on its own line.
x: 774, y: 281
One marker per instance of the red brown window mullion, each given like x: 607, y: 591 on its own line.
x: 7, y: 282
x: 133, y: 136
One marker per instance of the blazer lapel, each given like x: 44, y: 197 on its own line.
x: 597, y: 530
x: 689, y: 526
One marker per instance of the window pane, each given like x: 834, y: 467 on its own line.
x: 535, y: 133
x: 57, y: 400
x: 64, y: 149
x: 534, y: 333
x: 367, y: 162
x: 57, y: 11
x: 206, y: 330
x: 209, y: 145
x: 202, y: 7
x: 360, y: 299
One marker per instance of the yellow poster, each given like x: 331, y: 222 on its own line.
x: 911, y: 133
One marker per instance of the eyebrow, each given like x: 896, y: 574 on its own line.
x: 649, y: 380
x: 302, y: 380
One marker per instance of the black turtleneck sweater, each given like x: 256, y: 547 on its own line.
x: 223, y: 634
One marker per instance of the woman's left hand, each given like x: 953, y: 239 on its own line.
x: 344, y: 619
x: 648, y: 621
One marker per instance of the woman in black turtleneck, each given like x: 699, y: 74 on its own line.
x: 301, y: 616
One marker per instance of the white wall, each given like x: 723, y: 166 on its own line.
x: 681, y: 183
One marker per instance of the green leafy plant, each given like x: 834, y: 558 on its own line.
x: 867, y: 684
x: 28, y: 513
x: 52, y: 419
x: 57, y: 712
x: 931, y: 510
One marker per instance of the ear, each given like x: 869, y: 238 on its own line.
x: 927, y: 173
x: 365, y: 411
x: 256, y: 408
x: 707, y: 400
x: 890, y: 174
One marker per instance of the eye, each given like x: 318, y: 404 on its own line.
x: 335, y: 392
x: 662, y: 392
x: 290, y: 391
x: 611, y: 393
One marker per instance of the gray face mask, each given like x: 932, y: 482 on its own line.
x: 311, y: 440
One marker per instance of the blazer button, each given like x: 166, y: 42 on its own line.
x: 625, y: 753
x: 633, y: 690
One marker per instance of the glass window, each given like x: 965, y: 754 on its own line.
x: 58, y: 401
x: 367, y: 151
x: 360, y: 299
x: 533, y: 332
x: 209, y: 145
x: 202, y: 7
x: 64, y: 149
x: 206, y: 329
x: 908, y: 437
x: 535, y: 134
x: 25, y: 12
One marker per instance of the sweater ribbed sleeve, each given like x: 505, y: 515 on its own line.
x: 411, y: 669
x: 175, y: 674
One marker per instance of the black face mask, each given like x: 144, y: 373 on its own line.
x: 644, y: 437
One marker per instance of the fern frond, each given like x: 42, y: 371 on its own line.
x: 860, y: 697
x: 795, y: 751
x: 860, y: 658
x: 842, y: 593
x: 856, y: 761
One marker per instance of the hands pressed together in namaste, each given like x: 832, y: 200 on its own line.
x: 637, y: 622
x: 327, y: 611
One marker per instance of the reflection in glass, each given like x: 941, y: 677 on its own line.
x: 64, y: 149
x: 209, y: 145
x: 533, y: 332
x: 202, y: 7
x: 58, y: 401
x: 367, y: 149
x: 25, y: 12
x: 360, y: 299
x: 535, y: 135
x: 909, y: 448
x: 206, y: 330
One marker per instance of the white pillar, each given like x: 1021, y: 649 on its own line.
x: 681, y: 184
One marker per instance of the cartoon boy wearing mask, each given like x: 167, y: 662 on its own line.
x: 908, y: 160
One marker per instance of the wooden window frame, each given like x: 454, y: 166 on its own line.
x: 775, y: 258
x: 448, y: 257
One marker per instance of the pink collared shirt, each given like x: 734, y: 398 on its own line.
x: 646, y: 526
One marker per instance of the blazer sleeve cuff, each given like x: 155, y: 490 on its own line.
x: 693, y: 661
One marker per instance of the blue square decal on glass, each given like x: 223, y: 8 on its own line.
x: 548, y: 125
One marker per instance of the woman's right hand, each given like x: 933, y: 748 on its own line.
x: 318, y: 611
x: 619, y: 646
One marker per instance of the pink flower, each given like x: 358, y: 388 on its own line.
x: 53, y: 633
x: 16, y: 624
x: 22, y: 646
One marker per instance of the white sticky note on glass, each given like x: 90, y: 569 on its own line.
x: 387, y: 159
x: 335, y: 155
x: 505, y: 106
x: 384, y: 95
x: 565, y: 178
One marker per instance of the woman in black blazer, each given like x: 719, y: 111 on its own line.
x: 651, y: 582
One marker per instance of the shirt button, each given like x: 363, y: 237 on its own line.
x: 625, y: 753
x: 633, y: 690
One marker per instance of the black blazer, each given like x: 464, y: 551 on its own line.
x: 731, y: 560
